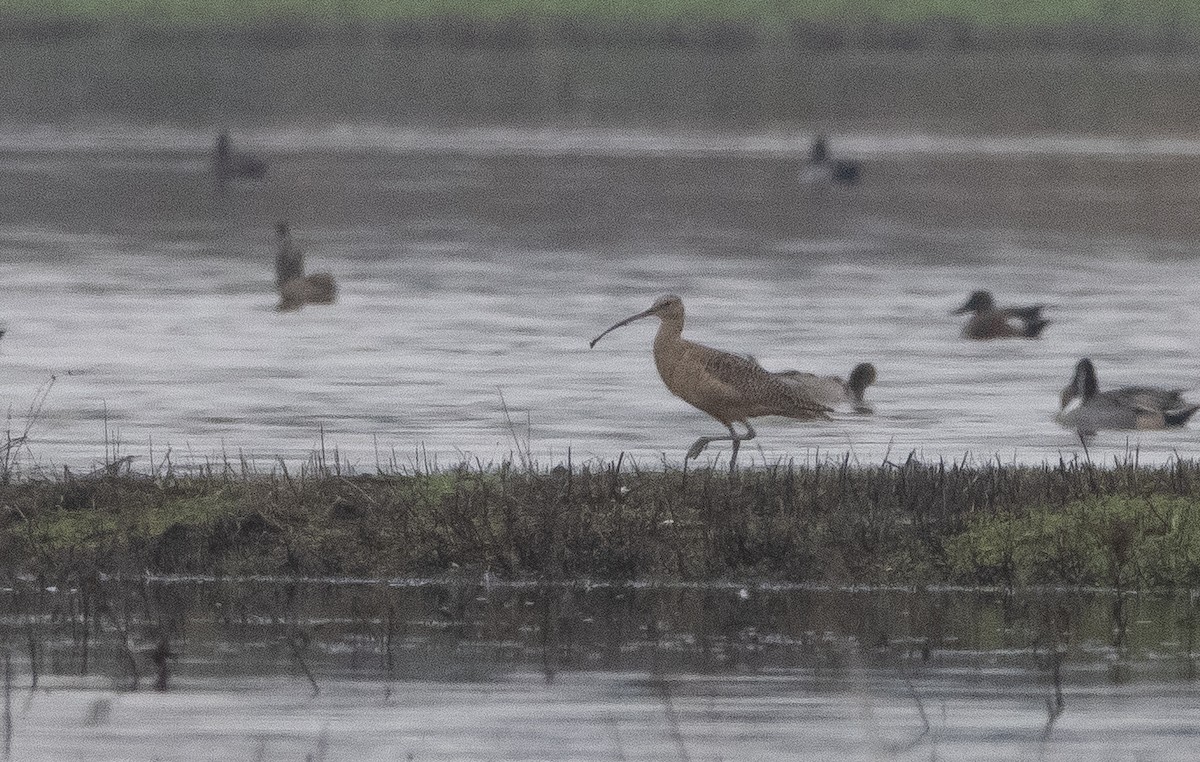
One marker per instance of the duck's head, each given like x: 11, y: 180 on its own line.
x: 819, y: 150
x: 1083, y: 384
x: 668, y: 307
x: 979, y: 301
x: 861, y: 377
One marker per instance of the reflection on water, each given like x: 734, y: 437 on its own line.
x: 482, y: 267
x: 278, y: 670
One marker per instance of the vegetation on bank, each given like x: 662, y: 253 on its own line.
x: 910, y: 523
x: 764, y: 11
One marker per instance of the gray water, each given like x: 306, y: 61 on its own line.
x: 474, y: 265
x: 465, y: 671
x: 488, y: 210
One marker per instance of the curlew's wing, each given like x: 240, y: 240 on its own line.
x: 757, y: 390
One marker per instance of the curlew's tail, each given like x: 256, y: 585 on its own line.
x: 1179, y: 417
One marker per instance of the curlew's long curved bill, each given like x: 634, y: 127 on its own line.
x: 963, y: 309
x: 626, y: 321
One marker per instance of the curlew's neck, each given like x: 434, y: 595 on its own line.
x: 669, y: 330
x: 669, y: 351
x: 669, y: 338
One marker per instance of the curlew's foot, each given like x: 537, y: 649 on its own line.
x: 697, y: 448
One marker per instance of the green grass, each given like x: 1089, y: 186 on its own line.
x: 984, y: 12
x: 909, y: 524
x: 1117, y: 541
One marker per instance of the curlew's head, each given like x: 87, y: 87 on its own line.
x: 281, y: 228
x: 1084, y: 384
x: 979, y: 302
x: 667, y: 308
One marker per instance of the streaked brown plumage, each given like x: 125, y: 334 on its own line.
x: 729, y: 387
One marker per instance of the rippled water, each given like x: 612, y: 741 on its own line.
x: 475, y: 264
x: 460, y: 671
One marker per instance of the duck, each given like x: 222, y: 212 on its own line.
x: 992, y: 322
x: 229, y: 164
x: 295, y: 288
x: 833, y: 391
x: 1127, y: 407
x: 820, y: 169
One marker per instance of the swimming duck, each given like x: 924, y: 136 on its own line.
x: 992, y: 322
x: 822, y: 170
x: 1128, y: 407
x: 295, y: 288
x: 318, y: 288
x: 229, y: 164
x: 832, y: 390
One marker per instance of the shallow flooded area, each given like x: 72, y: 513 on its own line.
x: 412, y: 669
x: 475, y: 264
x: 482, y: 235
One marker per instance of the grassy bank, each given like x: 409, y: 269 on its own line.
x: 911, y: 523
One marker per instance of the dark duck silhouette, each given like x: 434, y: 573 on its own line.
x: 229, y: 164
x: 821, y: 169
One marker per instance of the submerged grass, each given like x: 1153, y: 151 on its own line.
x: 1071, y: 523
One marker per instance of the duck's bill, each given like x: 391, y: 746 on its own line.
x: 625, y: 322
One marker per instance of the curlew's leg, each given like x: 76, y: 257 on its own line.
x: 702, y: 442
x: 737, y: 443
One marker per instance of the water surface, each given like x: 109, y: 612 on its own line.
x: 488, y: 211
x: 461, y: 670
x: 474, y: 266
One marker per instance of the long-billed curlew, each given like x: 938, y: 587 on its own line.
x: 731, y: 388
x: 992, y: 322
x: 1127, y: 407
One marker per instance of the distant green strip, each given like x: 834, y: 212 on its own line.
x: 983, y: 12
